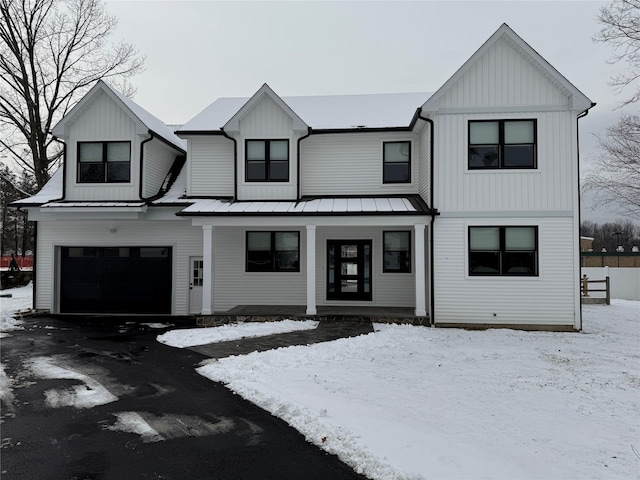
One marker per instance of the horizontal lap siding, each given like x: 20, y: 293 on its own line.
x: 210, y: 166
x: 389, y: 289
x: 185, y: 240
x: 158, y: 158
x: 103, y: 120
x: 547, y: 299
x: 351, y: 164
x: 424, y: 165
x: 234, y: 286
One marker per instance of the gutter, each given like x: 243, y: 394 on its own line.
x: 235, y: 163
x: 433, y: 216
x: 298, y: 160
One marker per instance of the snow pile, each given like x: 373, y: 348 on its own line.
x: 20, y: 300
x: 414, y: 402
x: 201, y: 336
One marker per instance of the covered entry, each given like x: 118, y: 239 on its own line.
x: 133, y: 280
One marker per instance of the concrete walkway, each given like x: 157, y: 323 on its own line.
x: 325, y: 332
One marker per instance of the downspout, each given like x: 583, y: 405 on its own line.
x: 432, y: 302
x: 34, y: 269
x: 581, y: 115
x: 235, y: 163
x: 298, y: 159
x: 142, y: 144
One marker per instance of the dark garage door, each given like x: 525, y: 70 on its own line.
x: 115, y: 280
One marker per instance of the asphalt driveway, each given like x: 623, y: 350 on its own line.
x: 56, y: 425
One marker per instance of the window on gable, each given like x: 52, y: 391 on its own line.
x: 104, y: 162
x: 397, y: 251
x: 502, y: 144
x: 396, y: 162
x: 273, y: 251
x: 503, y: 251
x: 267, y: 160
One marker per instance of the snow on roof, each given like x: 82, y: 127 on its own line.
x: 154, y: 124
x: 52, y: 190
x: 94, y: 204
x: 317, y: 206
x: 176, y: 191
x: 325, y: 112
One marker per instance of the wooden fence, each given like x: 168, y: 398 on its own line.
x: 587, y: 287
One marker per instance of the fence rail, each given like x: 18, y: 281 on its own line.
x: 586, y: 288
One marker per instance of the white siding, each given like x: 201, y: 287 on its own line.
x: 548, y: 299
x: 266, y: 120
x: 423, y: 164
x: 185, y: 240
x: 351, y: 164
x: 389, y: 289
x: 210, y: 164
x: 158, y: 158
x: 234, y: 286
x: 502, y: 76
x: 103, y: 120
x: 549, y: 187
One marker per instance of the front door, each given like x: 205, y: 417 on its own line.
x: 195, y: 285
x: 349, y: 270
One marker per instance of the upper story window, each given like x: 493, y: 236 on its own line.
x: 396, y: 162
x: 503, y: 251
x: 397, y: 251
x: 104, y: 162
x: 267, y: 160
x: 273, y: 251
x: 502, y: 144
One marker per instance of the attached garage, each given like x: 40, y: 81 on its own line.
x: 135, y: 280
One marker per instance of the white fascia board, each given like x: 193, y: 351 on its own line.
x: 321, y: 221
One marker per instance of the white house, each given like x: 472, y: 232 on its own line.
x: 461, y: 205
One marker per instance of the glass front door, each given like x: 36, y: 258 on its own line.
x: 349, y: 270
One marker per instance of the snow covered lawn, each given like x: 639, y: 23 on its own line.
x: 20, y: 300
x: 415, y: 402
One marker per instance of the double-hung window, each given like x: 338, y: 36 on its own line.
x: 273, y: 251
x: 397, y: 251
x: 502, y: 144
x: 267, y: 160
x: 503, y: 251
x: 396, y: 162
x: 104, y: 162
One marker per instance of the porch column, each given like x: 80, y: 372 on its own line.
x: 421, y: 310
x: 207, y: 267
x: 311, y: 270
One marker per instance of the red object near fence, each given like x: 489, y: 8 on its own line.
x: 25, y: 263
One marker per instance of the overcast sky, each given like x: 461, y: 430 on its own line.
x: 199, y: 51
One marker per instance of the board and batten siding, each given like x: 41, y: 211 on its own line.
x: 158, y: 158
x: 351, y: 164
x: 503, y: 76
x: 389, y: 289
x: 103, y: 120
x: 549, y: 187
x: 267, y: 120
x: 234, y: 286
x: 548, y: 299
x: 210, y: 166
x: 185, y: 240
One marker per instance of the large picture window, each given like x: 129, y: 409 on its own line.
x: 397, y: 251
x: 503, y: 251
x: 267, y: 160
x: 502, y: 144
x: 273, y: 251
x: 396, y: 160
x: 104, y: 162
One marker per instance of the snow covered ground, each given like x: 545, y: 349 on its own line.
x: 19, y: 301
x: 416, y: 402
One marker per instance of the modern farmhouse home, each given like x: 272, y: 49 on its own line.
x: 460, y: 207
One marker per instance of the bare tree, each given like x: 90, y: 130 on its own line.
x: 51, y: 52
x: 621, y: 28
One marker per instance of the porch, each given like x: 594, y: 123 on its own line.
x: 266, y: 313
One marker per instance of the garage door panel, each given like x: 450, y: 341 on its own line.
x: 116, y: 280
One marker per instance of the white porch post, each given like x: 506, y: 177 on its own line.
x: 311, y: 270
x: 207, y: 266
x: 421, y: 310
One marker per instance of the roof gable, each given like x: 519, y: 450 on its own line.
x: 233, y: 124
x: 144, y: 120
x: 576, y: 100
